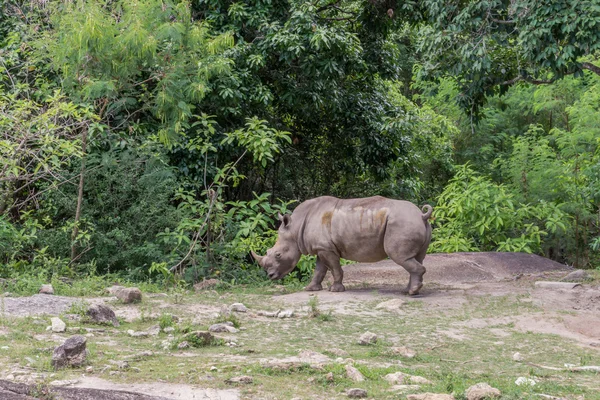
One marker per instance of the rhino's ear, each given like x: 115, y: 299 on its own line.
x: 286, y: 220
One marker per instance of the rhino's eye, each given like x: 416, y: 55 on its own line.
x: 278, y: 255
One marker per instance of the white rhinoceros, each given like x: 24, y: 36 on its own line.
x: 364, y: 230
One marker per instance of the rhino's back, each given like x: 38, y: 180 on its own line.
x: 355, y: 229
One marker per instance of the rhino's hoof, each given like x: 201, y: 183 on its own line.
x: 314, y: 287
x: 415, y: 291
x: 337, y: 287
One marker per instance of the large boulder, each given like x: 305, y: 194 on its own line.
x: 71, y: 353
x: 126, y: 295
x: 482, y: 391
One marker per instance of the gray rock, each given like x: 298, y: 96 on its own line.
x: 58, y: 325
x: 356, y: 393
x: 101, y: 314
x: 578, y: 275
x: 482, y: 391
x: 285, y: 314
x: 354, y: 374
x: 419, y: 380
x: 238, y: 307
x: 206, y: 284
x: 517, y: 357
x: 223, y: 327
x: 405, y: 388
x: 396, y: 377
x: 240, y: 379
x: 153, y: 330
x: 404, y: 352
x: 367, y: 338
x: 556, y: 285
x: 71, y: 353
x: 391, y: 305
x: 128, y: 295
x: 133, y: 333
x: 46, y: 289
x: 169, y: 329
x: 183, y: 345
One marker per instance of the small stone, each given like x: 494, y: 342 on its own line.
x: 245, y: 379
x: 153, y: 330
x: 133, y: 333
x: 206, y: 284
x: 238, y: 307
x: 396, y: 377
x: 213, y: 368
x: 71, y: 353
x: 517, y: 357
x: 329, y: 377
x: 89, y: 369
x: 128, y: 295
x: 58, y: 325
x: 200, y: 338
x: 101, y: 314
x: 339, y: 352
x: 354, y: 374
x: 4, y: 347
x: 419, y: 380
x: 578, y: 275
x: 367, y: 338
x: 430, y: 396
x: 524, y: 381
x: 391, y: 305
x: 356, y: 393
x: 404, y: 352
x: 10, y: 377
x: 481, y: 391
x: 222, y: 327
x: 169, y: 329
x: 46, y: 289
x: 183, y: 345
x: 68, y: 382
x: 271, y: 314
x: 285, y: 314
x: 121, y: 364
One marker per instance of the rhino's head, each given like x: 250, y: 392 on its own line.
x: 282, y: 258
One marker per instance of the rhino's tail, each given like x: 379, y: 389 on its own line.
x: 427, y: 210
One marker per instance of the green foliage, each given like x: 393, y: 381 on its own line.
x: 474, y: 214
x: 137, y: 57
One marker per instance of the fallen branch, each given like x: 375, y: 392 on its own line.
x: 585, y: 368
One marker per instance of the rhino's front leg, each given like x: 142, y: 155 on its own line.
x: 333, y: 263
x: 320, y: 271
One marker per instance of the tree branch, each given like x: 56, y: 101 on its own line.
x: 591, y: 67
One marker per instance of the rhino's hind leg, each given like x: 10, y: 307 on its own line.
x: 320, y: 271
x: 416, y: 271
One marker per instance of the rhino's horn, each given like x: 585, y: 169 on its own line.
x: 257, y: 258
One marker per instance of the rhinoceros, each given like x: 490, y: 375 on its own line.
x: 364, y: 230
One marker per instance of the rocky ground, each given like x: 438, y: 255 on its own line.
x: 485, y: 324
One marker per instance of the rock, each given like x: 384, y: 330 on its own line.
x: 285, y: 314
x: 153, y: 330
x: 71, y: 353
x: 200, y: 338
x: 578, y: 275
x: 121, y: 364
x: 419, y: 380
x: 339, y: 352
x: 329, y: 377
x: 128, y: 295
x: 481, y: 391
x: 58, y: 325
x: 46, y: 289
x: 404, y: 352
x: 356, y: 393
x: 68, y: 382
x: 101, y: 314
x: 223, y: 327
x: 206, y: 284
x: 391, y: 305
x: 517, y: 357
x: 182, y: 345
x: 240, y: 379
x: 524, y: 381
x: 89, y: 369
x: 169, y: 329
x: 556, y: 285
x: 396, y: 377
x: 354, y: 374
x: 430, y: 396
x: 367, y: 338
x: 238, y: 307
x: 133, y: 333
x: 272, y: 314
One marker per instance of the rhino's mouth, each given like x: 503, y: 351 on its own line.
x: 274, y: 276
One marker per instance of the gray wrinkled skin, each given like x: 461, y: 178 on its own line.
x: 363, y: 230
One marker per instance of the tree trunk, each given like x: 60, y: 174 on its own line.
x: 79, y: 196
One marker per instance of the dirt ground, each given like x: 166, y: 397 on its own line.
x: 475, y: 311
